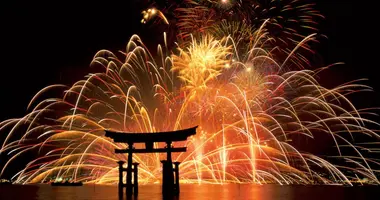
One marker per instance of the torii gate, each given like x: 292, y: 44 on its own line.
x: 169, y: 186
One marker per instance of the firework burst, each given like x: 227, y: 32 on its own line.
x: 202, y: 62
x: 249, y: 108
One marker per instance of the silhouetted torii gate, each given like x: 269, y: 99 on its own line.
x: 168, y: 184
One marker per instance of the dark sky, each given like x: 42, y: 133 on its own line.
x: 47, y: 43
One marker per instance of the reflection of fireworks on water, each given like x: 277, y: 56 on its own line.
x: 248, y: 107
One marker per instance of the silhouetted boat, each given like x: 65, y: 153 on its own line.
x: 66, y: 183
x: 5, y: 182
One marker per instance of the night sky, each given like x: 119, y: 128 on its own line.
x: 48, y: 43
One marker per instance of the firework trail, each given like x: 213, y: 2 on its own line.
x: 151, y: 13
x: 249, y: 107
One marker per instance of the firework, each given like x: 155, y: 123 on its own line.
x: 151, y: 13
x: 250, y: 108
x: 287, y: 23
x: 246, y: 118
x: 202, y: 62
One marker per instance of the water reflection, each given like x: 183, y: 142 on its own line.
x: 191, y: 192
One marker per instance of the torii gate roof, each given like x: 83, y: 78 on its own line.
x: 178, y: 135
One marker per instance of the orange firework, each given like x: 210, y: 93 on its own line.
x: 247, y: 120
x: 250, y: 107
x: 151, y: 13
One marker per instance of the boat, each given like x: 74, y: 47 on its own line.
x: 66, y: 183
x: 5, y: 182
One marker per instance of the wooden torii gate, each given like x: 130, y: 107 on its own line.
x: 170, y: 181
